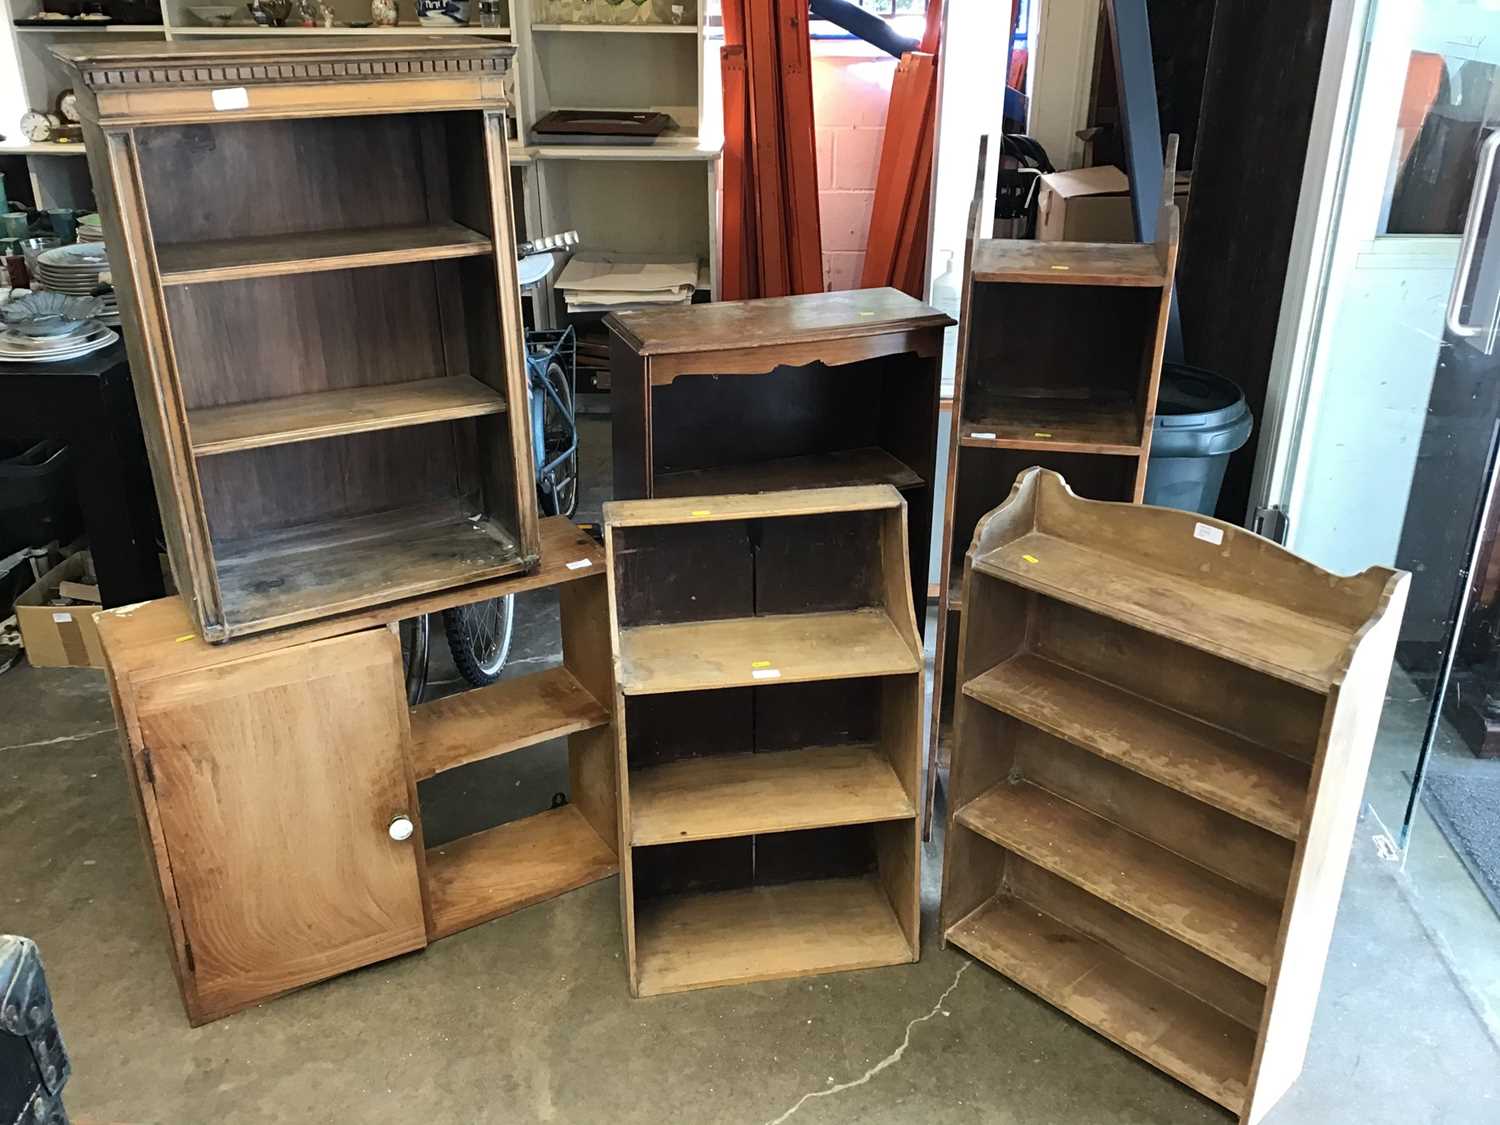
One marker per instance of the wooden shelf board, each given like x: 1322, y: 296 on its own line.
x: 247, y: 30
x: 325, y: 414
x: 1150, y: 1018
x: 777, y: 791
x: 681, y: 146
x: 281, y: 577
x: 765, y: 933
x: 1212, y: 765
x: 844, y: 467
x: 1188, y: 902
x: 232, y: 259
x: 1253, y: 632
x: 744, y: 651
x: 754, y: 506
x: 89, y: 27
x: 1067, y: 263
x: 43, y: 148
x: 1060, y: 425
x: 627, y: 28
x: 519, y: 864
x: 510, y: 715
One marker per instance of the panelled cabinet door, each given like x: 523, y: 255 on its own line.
x: 277, y: 779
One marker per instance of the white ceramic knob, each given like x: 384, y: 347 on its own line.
x: 401, y: 828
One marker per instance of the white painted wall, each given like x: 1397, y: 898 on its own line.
x: 1061, y: 76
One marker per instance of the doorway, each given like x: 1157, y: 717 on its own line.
x: 1386, y: 450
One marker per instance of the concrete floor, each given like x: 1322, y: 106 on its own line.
x: 527, y: 1018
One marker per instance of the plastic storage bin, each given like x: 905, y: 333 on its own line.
x: 1201, y: 418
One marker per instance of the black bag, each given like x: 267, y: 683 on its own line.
x: 33, y: 1063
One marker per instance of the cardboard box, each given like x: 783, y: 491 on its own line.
x: 1090, y: 205
x: 58, y: 636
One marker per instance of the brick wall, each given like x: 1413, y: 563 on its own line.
x: 851, y: 91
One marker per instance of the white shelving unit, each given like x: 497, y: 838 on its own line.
x: 656, y: 200
x: 58, y: 180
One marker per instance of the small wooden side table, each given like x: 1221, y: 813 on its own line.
x: 843, y: 390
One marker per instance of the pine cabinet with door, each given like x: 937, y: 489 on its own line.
x: 279, y: 866
x: 276, y: 781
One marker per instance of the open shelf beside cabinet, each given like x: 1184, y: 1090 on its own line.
x: 512, y: 866
x: 336, y: 383
x: 522, y: 862
x: 229, y: 259
x: 1159, y: 754
x: 509, y: 715
x: 768, y: 717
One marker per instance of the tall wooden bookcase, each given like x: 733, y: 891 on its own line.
x: 1059, y: 351
x: 332, y: 381
x: 768, y: 726
x: 1162, y: 736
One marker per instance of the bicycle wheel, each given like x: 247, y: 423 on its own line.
x: 560, y: 431
x: 415, y: 633
x: 479, y: 637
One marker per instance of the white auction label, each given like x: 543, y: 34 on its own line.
x: 61, y: 617
x: 983, y: 437
x: 765, y: 673
x: 580, y: 564
x: 231, y: 97
x: 1208, y: 533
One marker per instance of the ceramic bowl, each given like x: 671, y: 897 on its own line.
x: 49, y: 314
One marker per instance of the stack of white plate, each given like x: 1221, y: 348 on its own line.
x: 88, y: 337
x: 90, y: 230
x: 72, y: 269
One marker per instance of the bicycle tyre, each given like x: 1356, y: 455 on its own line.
x: 479, y: 638
x: 565, y: 476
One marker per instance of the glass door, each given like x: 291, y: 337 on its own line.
x: 1393, y: 452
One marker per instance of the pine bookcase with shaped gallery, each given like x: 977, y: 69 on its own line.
x: 1163, y: 727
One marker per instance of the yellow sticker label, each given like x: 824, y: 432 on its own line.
x: 1039, y: 433
x: 866, y: 314
x: 1062, y: 267
x: 185, y: 637
x: 1029, y: 558
x: 702, y: 511
x: 760, y: 663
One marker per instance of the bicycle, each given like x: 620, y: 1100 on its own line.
x: 479, y: 634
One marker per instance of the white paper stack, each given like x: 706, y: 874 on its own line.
x: 612, y: 282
